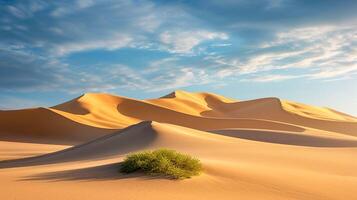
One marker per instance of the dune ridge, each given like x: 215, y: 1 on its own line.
x: 98, y: 114
x: 121, y: 112
x: 265, y: 148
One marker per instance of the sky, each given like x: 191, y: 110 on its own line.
x: 300, y: 50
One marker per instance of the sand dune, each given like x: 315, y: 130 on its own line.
x: 16, y: 150
x: 94, y: 115
x: 130, y: 139
x: 100, y: 114
x: 312, y: 139
x: 149, y: 134
x: 259, y: 149
x: 233, y: 168
x: 41, y: 125
x: 293, y: 113
x: 179, y: 107
x: 193, y: 103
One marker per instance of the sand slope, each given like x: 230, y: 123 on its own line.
x: 258, y: 149
x: 233, y: 168
x: 293, y: 113
x: 41, y: 125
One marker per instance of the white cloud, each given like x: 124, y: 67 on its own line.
x: 72, y: 7
x: 37, y: 5
x: 181, y: 77
x: 334, y: 72
x: 82, y: 25
x: 320, y: 52
x: 162, y: 74
x: 271, y: 78
x: 183, y: 42
x: 149, y: 22
x: 221, y: 45
x: 17, y: 12
x: 85, y: 3
x: 275, y: 4
x: 113, y: 43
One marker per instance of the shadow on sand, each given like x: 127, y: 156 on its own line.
x: 288, y: 138
x: 97, y: 173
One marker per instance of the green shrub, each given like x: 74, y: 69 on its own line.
x: 164, y: 162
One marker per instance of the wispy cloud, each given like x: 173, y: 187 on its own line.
x: 270, y: 78
x: 110, y: 44
x: 185, y: 41
x: 150, y: 80
x: 35, y: 56
x: 322, y: 52
x: 92, y: 45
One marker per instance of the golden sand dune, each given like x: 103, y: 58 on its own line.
x: 293, y: 113
x: 98, y: 114
x: 202, y: 111
x: 41, y: 125
x: 259, y: 149
x: 193, y: 103
x: 108, y: 111
x: 233, y: 168
x: 93, y: 115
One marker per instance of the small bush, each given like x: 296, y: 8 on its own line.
x: 163, y: 162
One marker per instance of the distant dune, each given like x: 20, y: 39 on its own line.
x: 99, y: 114
x: 258, y: 149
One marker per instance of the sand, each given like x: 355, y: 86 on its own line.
x: 259, y: 149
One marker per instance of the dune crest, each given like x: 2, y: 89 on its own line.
x: 98, y: 114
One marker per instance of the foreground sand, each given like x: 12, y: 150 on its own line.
x: 269, y: 156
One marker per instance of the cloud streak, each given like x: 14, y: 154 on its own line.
x: 183, y: 42
x: 315, y: 52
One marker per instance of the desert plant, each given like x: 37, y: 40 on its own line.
x: 164, y: 162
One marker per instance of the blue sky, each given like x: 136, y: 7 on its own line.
x: 52, y: 51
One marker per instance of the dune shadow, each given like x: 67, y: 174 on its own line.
x: 97, y: 173
x: 288, y: 138
x: 133, y: 138
x: 212, y: 104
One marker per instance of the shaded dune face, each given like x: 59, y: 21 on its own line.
x: 130, y: 139
x: 289, y: 138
